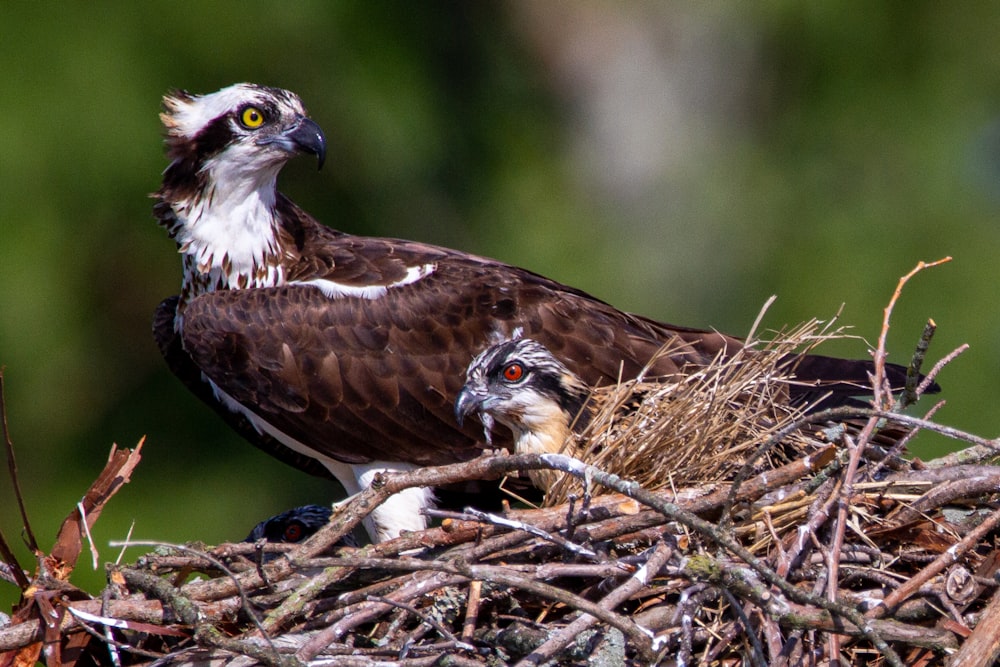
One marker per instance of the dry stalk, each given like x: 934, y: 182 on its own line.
x: 705, y: 426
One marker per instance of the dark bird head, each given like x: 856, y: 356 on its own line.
x: 292, y: 526
x: 522, y: 385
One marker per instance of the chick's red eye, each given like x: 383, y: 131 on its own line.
x: 294, y: 532
x: 513, y: 372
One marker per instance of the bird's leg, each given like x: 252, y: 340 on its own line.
x: 400, y: 512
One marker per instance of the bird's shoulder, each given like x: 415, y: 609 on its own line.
x: 317, y: 252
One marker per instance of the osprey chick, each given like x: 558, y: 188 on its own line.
x: 343, y: 355
x: 520, y: 384
x: 293, y: 526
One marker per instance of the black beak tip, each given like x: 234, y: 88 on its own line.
x: 309, y: 137
x: 320, y: 150
x: 465, y: 404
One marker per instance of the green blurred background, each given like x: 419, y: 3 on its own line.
x: 683, y: 160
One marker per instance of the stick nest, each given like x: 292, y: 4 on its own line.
x: 775, y: 538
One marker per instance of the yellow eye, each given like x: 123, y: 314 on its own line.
x: 251, y: 118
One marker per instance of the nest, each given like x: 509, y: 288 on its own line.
x: 702, y: 427
x: 806, y: 549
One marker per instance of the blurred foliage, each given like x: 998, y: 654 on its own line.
x: 855, y: 140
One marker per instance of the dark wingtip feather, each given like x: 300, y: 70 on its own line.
x: 818, y: 375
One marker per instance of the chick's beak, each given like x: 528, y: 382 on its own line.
x: 468, y: 402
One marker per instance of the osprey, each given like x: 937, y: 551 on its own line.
x: 292, y: 526
x: 521, y: 384
x: 343, y: 355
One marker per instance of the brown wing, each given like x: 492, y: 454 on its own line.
x: 183, y: 367
x: 360, y: 379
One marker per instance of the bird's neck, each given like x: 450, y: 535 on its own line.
x: 552, y: 428
x: 546, y: 425
x: 575, y: 402
x: 544, y: 430
x: 554, y: 438
x: 226, y: 227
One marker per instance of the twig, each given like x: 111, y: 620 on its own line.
x: 969, y: 456
x: 760, y: 316
x: 424, y: 618
x: 982, y: 647
x: 757, y: 652
x: 944, y: 361
x: 205, y: 633
x: 878, y: 384
x: 844, y: 495
x: 977, y: 481
x: 950, y: 556
x: 559, y: 640
x: 850, y: 412
x: 472, y: 610
x: 575, y: 549
x: 913, y: 388
x: 354, y: 615
x: 244, y: 600
x: 896, y: 451
x: 5, y: 551
x: 818, y: 514
x: 723, y: 539
x: 94, y: 555
x: 493, y: 574
x: 107, y: 637
x: 12, y: 567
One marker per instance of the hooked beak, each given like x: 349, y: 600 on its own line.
x: 305, y: 136
x: 467, y: 402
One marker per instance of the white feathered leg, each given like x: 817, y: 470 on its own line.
x: 400, y: 512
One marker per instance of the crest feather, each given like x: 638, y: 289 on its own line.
x: 173, y: 104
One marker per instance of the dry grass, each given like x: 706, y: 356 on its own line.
x: 704, y: 426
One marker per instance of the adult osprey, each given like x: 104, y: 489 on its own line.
x: 342, y: 354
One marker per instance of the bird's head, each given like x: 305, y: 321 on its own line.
x: 292, y: 526
x: 242, y: 133
x: 522, y: 385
